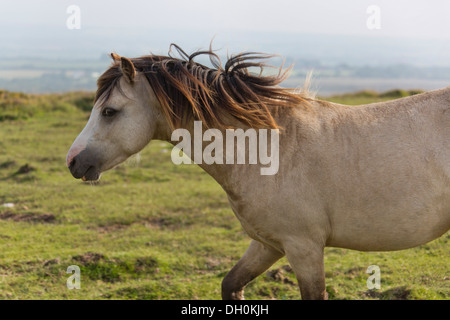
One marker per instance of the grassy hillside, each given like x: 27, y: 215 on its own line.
x: 150, y: 229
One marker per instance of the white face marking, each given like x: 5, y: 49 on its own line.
x: 81, y: 141
x: 108, y: 140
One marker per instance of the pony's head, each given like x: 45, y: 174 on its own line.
x: 146, y: 98
x: 121, y: 122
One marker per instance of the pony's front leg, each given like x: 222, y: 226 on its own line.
x: 306, y: 259
x: 257, y: 259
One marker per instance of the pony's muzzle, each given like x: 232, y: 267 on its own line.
x: 82, y: 167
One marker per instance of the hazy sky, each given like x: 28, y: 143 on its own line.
x: 412, y: 18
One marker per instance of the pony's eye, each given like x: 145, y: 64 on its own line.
x: 108, y: 112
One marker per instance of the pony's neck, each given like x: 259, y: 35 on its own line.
x: 259, y: 145
x: 222, y: 173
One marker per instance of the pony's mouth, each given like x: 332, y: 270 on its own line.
x: 91, y: 174
x: 83, y: 172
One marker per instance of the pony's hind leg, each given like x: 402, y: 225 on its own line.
x: 257, y: 259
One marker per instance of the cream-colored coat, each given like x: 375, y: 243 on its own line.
x: 372, y: 177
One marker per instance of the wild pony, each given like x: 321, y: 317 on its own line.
x: 371, y: 177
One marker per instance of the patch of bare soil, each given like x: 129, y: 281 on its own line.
x: 399, y: 293
x: 279, y: 275
x: 7, y: 164
x: 28, y: 217
x: 26, y: 168
x: 157, y: 223
x: 89, y: 258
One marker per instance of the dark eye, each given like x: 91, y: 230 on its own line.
x: 108, y: 112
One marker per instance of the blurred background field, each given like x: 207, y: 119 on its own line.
x: 150, y: 229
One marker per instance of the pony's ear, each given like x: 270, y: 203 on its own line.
x: 115, y: 56
x: 128, y: 69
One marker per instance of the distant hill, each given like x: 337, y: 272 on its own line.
x: 55, y: 60
x: 21, y: 106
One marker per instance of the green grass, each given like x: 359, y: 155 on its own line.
x: 368, y: 96
x: 150, y: 229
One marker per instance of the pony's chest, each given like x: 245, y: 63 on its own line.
x: 255, y: 222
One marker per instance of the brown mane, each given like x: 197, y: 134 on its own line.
x: 186, y: 88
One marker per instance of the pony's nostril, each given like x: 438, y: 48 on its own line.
x: 72, y: 163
